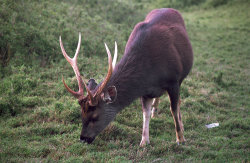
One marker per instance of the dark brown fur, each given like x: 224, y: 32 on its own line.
x: 157, y: 56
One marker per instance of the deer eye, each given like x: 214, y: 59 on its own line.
x: 91, y: 108
x: 94, y: 118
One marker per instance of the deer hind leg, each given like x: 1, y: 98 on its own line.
x: 176, y: 113
x: 155, y: 109
x: 146, y: 109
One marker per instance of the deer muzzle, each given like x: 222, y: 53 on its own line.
x: 88, y: 140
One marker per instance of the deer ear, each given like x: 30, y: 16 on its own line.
x: 109, y: 96
x: 91, y: 84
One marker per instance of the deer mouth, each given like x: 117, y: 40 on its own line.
x: 86, y: 139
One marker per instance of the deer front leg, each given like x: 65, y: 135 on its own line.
x: 155, y: 107
x: 146, y: 109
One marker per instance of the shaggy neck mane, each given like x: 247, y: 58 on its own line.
x: 127, y: 78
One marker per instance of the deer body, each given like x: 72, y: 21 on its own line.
x: 158, y: 54
x: 157, y: 57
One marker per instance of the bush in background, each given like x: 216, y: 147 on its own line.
x: 31, y: 29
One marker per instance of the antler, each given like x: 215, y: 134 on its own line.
x: 115, y: 56
x: 73, y: 63
x: 110, y: 70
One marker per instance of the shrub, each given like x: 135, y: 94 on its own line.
x: 33, y: 35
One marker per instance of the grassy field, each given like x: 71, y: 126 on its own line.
x: 40, y: 121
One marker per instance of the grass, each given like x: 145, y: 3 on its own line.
x: 40, y: 121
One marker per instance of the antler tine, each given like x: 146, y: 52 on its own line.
x: 75, y: 94
x: 78, y: 48
x: 115, y: 56
x: 73, y: 63
x: 64, y: 52
x: 110, y: 70
x: 75, y: 57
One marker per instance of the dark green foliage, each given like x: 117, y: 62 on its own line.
x: 41, y: 122
x: 34, y: 37
x: 178, y: 4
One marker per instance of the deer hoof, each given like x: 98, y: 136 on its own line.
x: 152, y: 115
x: 180, y: 143
x: 154, y: 112
x: 144, y: 143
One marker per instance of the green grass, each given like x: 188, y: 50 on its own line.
x: 40, y: 121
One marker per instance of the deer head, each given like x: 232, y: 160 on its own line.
x: 95, y: 105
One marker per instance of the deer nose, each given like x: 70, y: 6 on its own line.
x: 84, y: 139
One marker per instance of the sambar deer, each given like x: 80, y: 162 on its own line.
x: 157, y: 57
